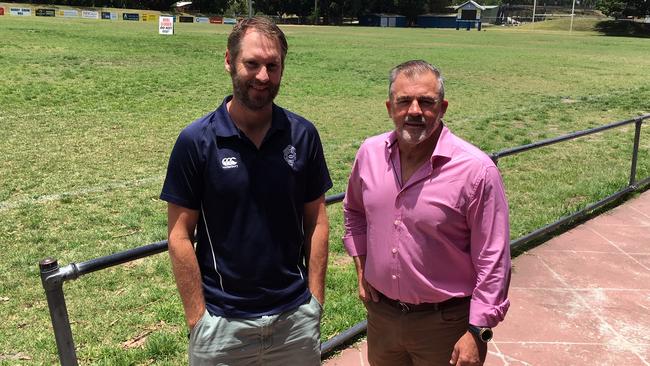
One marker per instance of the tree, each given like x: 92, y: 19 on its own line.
x: 237, y: 8
x: 410, y: 9
x: 611, y: 8
x: 621, y: 8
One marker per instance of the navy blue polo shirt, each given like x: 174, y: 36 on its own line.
x: 250, y: 241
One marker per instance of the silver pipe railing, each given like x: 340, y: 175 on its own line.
x: 53, y: 276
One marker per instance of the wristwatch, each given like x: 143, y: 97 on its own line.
x: 484, y: 334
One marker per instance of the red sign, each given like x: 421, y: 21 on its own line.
x: 216, y: 20
x: 2, y: 10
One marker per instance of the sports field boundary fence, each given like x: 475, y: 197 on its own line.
x: 53, y: 276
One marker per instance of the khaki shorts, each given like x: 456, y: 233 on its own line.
x: 289, y: 338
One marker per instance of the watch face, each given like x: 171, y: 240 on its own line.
x: 486, y: 334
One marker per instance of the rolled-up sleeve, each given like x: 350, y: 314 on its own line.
x: 487, y: 216
x: 354, y: 214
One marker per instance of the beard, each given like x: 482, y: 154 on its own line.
x: 414, y: 136
x: 241, y: 91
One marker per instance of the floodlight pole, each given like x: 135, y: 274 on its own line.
x: 250, y: 8
x: 573, y: 9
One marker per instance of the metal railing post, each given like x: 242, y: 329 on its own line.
x: 52, y: 280
x: 635, y: 151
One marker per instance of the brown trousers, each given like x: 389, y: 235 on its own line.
x: 424, y: 338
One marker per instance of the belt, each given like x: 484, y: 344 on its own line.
x: 426, y: 306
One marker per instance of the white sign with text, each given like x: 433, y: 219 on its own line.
x: 21, y: 12
x: 166, y: 25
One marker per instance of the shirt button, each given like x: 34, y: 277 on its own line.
x: 394, y: 250
x: 393, y: 277
x: 397, y: 222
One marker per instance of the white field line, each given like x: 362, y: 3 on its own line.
x: 9, y: 205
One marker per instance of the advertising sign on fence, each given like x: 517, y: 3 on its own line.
x: 202, y: 20
x: 216, y: 20
x: 107, y: 15
x: 89, y: 14
x: 131, y: 16
x: 69, y: 13
x: 20, y: 12
x: 166, y: 25
x: 45, y: 12
x: 186, y: 19
x: 229, y: 21
x: 2, y: 10
x: 149, y: 17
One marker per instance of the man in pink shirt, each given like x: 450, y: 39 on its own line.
x: 426, y: 220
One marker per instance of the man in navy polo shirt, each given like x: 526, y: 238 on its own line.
x: 247, y: 184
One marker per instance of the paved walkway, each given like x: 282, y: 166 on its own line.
x: 582, y: 298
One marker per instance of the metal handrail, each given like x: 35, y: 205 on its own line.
x: 53, y: 276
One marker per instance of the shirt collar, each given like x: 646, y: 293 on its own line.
x: 224, y: 126
x: 444, y: 147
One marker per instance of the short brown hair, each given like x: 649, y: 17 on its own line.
x: 263, y: 25
x: 413, y: 68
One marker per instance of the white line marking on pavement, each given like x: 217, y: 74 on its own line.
x: 639, y: 211
x: 619, y: 340
x: 579, y: 289
x: 499, y: 354
x: 566, y: 343
x: 619, y: 249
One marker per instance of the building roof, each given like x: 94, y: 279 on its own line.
x: 180, y: 4
x: 470, y: 5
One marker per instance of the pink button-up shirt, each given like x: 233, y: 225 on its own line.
x: 444, y: 233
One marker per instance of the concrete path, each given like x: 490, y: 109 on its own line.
x: 582, y: 298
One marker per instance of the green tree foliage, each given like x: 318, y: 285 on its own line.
x: 236, y: 8
x: 624, y: 8
x: 612, y: 8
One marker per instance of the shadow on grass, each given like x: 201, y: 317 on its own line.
x: 623, y: 28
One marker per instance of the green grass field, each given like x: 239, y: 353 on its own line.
x: 89, y: 111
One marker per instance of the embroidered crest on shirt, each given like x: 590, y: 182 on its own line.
x: 229, y: 163
x: 290, y: 155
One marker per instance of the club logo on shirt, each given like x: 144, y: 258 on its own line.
x: 290, y: 155
x: 229, y: 163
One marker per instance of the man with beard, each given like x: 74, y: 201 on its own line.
x: 426, y: 220
x: 247, y: 183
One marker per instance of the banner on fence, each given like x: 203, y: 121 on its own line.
x: 2, y: 10
x: 20, y: 12
x: 229, y: 21
x: 149, y: 17
x: 107, y: 15
x: 69, y: 13
x: 186, y: 19
x: 131, y: 16
x: 45, y: 12
x: 166, y: 25
x: 202, y: 20
x: 216, y: 20
x: 89, y: 14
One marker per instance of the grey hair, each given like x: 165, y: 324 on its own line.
x: 413, y: 68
